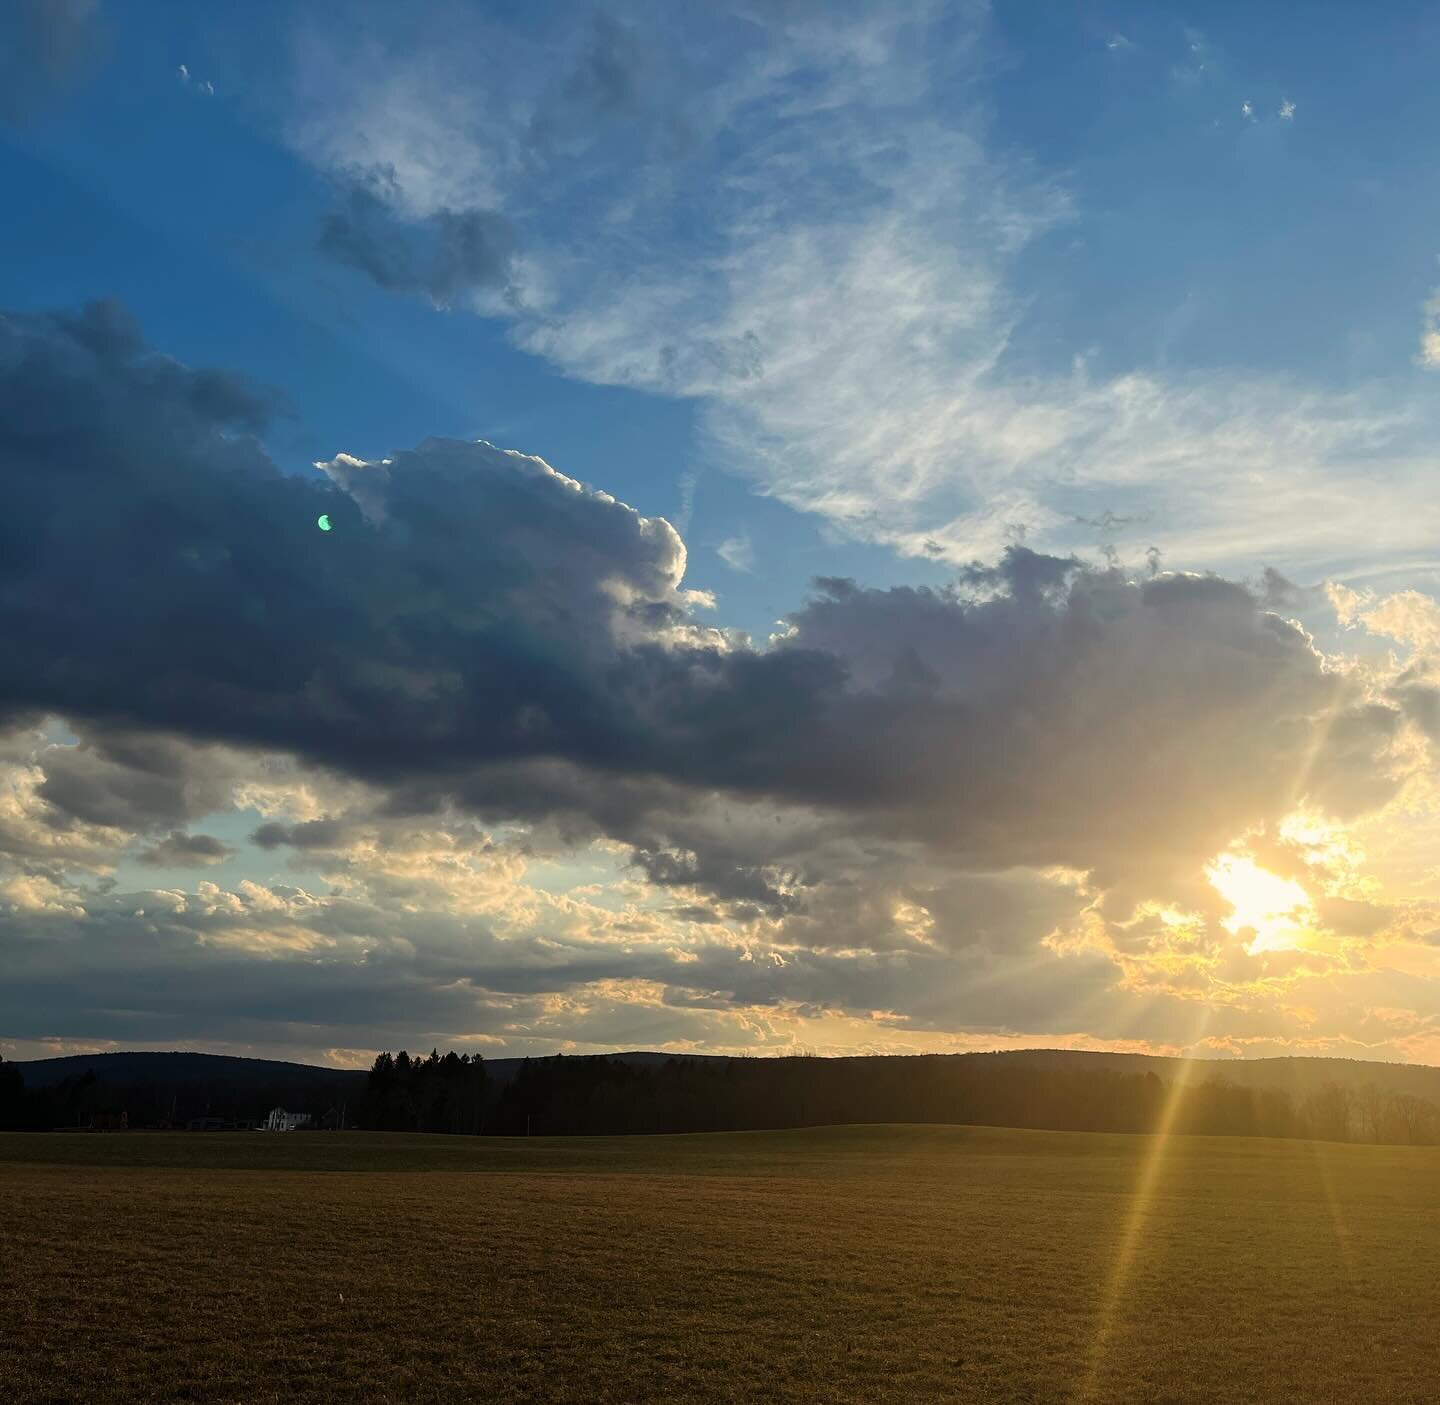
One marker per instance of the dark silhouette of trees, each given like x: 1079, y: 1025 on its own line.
x: 575, y: 1096
x: 13, y: 1107
x: 448, y: 1094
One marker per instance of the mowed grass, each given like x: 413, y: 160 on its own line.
x: 839, y: 1264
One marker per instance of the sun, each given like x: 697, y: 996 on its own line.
x: 1277, y: 910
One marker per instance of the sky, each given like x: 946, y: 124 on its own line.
x: 852, y: 528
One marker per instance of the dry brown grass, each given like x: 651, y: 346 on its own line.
x: 860, y: 1264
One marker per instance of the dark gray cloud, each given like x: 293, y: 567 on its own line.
x: 156, y: 567
x: 136, y: 780
x: 44, y: 46
x: 181, y: 850
x: 479, y: 630
x: 443, y: 255
x: 1278, y: 593
x: 311, y: 834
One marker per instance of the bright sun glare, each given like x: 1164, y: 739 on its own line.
x: 1276, y: 909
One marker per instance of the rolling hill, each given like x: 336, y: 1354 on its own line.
x: 1297, y: 1076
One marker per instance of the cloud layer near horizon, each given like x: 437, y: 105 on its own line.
x: 914, y: 814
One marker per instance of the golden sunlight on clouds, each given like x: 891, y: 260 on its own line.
x: 1320, y: 843
x: 1277, y: 910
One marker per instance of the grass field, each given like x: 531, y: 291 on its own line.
x: 840, y: 1264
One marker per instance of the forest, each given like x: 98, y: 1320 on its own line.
x: 596, y: 1095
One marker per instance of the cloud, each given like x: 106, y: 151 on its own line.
x: 236, y: 599
x: 44, y: 47
x: 737, y: 553
x: 130, y: 779
x: 181, y: 850
x: 1287, y: 111
x: 33, y: 830
x: 479, y: 624
x: 277, y: 968
x: 488, y: 671
x: 444, y: 255
x: 1411, y: 619
x: 1408, y: 616
x: 204, y: 86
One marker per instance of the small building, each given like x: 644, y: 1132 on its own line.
x: 207, y: 1124
x: 281, y: 1121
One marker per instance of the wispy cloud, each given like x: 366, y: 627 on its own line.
x: 837, y: 284
x: 199, y: 85
x: 737, y: 553
x: 1199, y: 60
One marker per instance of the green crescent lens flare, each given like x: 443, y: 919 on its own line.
x: 323, y: 521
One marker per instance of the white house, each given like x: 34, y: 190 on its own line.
x: 281, y: 1121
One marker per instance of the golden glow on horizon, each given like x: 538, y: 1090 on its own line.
x: 1277, y: 910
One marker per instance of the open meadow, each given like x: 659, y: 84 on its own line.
x: 874, y: 1263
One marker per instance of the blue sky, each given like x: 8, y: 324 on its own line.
x: 1168, y: 233
x: 870, y: 293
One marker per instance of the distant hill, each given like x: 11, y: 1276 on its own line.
x: 1297, y: 1076
x: 122, y: 1069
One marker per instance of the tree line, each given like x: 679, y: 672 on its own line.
x: 583, y: 1095
x: 574, y: 1096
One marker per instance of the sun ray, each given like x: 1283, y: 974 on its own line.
x: 1320, y: 735
x: 1320, y: 1152
x: 1122, y: 1267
